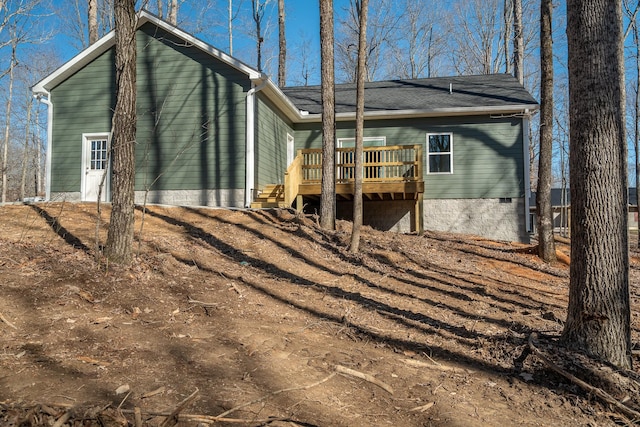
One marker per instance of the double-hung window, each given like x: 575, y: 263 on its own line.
x: 439, y: 153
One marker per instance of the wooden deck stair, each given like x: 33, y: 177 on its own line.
x: 272, y: 196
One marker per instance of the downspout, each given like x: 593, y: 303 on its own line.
x: 527, y: 170
x: 45, y: 98
x: 250, y: 173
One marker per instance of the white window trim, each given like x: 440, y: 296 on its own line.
x: 450, y: 153
x: 341, y: 141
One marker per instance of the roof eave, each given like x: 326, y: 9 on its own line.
x: 520, y: 109
x: 275, y: 94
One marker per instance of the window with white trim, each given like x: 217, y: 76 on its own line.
x: 439, y: 153
x: 98, y: 153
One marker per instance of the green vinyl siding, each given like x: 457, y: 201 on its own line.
x: 271, y: 143
x: 82, y: 104
x: 191, y: 117
x: 488, y: 156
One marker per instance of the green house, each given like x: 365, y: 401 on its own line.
x: 447, y: 153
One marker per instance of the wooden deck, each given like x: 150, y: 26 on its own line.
x: 389, y: 173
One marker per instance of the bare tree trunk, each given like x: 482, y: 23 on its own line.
x: 282, y: 52
x: 546, y: 243
x: 599, y: 318
x: 173, y: 12
x: 363, y: 6
x: 508, y: 22
x: 92, y: 12
x: 636, y: 121
x: 119, y: 247
x: 258, y: 15
x: 230, y: 27
x: 518, y: 41
x: 26, y: 153
x: 160, y: 9
x: 327, y: 71
x: 7, y: 126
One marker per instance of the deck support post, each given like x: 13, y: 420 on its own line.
x: 299, y: 203
x: 419, y: 214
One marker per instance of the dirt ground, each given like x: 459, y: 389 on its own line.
x: 234, y: 317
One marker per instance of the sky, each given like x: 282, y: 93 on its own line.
x: 302, y: 25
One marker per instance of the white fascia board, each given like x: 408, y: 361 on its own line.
x: 75, y: 64
x: 440, y: 112
x: 106, y: 42
x: 282, y: 101
x: 205, y: 47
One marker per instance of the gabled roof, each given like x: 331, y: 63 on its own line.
x: 441, y: 96
x: 493, y: 94
x: 108, y: 41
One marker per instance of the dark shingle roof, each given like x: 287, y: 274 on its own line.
x: 432, y: 94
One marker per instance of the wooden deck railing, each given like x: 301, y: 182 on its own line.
x: 397, y: 163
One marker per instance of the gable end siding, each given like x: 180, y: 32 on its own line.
x: 82, y: 104
x: 191, y: 117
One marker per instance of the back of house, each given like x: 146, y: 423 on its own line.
x: 448, y: 153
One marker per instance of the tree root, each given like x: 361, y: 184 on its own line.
x: 606, y: 397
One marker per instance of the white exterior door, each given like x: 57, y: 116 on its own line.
x: 95, y: 164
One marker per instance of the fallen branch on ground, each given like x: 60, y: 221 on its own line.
x: 4, y: 319
x: 633, y: 414
x: 366, y: 377
x: 172, y: 419
x: 260, y: 399
x: 437, y: 366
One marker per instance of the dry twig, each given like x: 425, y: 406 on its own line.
x: 4, y: 319
x: 172, y: 419
x: 633, y: 414
x: 438, y: 366
x: 260, y: 399
x: 366, y: 377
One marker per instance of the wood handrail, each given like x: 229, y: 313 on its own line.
x: 292, y: 180
x: 390, y: 163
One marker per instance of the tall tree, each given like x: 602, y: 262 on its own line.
x: 546, y: 243
x: 7, y: 127
x: 282, y: 42
x: 173, y: 12
x: 327, y: 83
x: 382, y: 35
x: 419, y: 42
x: 257, y: 14
x: 119, y: 246
x: 363, y: 6
x: 475, y: 43
x: 92, y: 14
x: 508, y: 21
x: 631, y: 8
x: 518, y: 42
x: 599, y: 318
x: 230, y: 26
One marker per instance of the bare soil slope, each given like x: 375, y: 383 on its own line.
x: 268, y: 320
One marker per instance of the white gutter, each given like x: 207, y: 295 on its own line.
x: 45, y: 97
x: 250, y: 173
x: 437, y: 112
